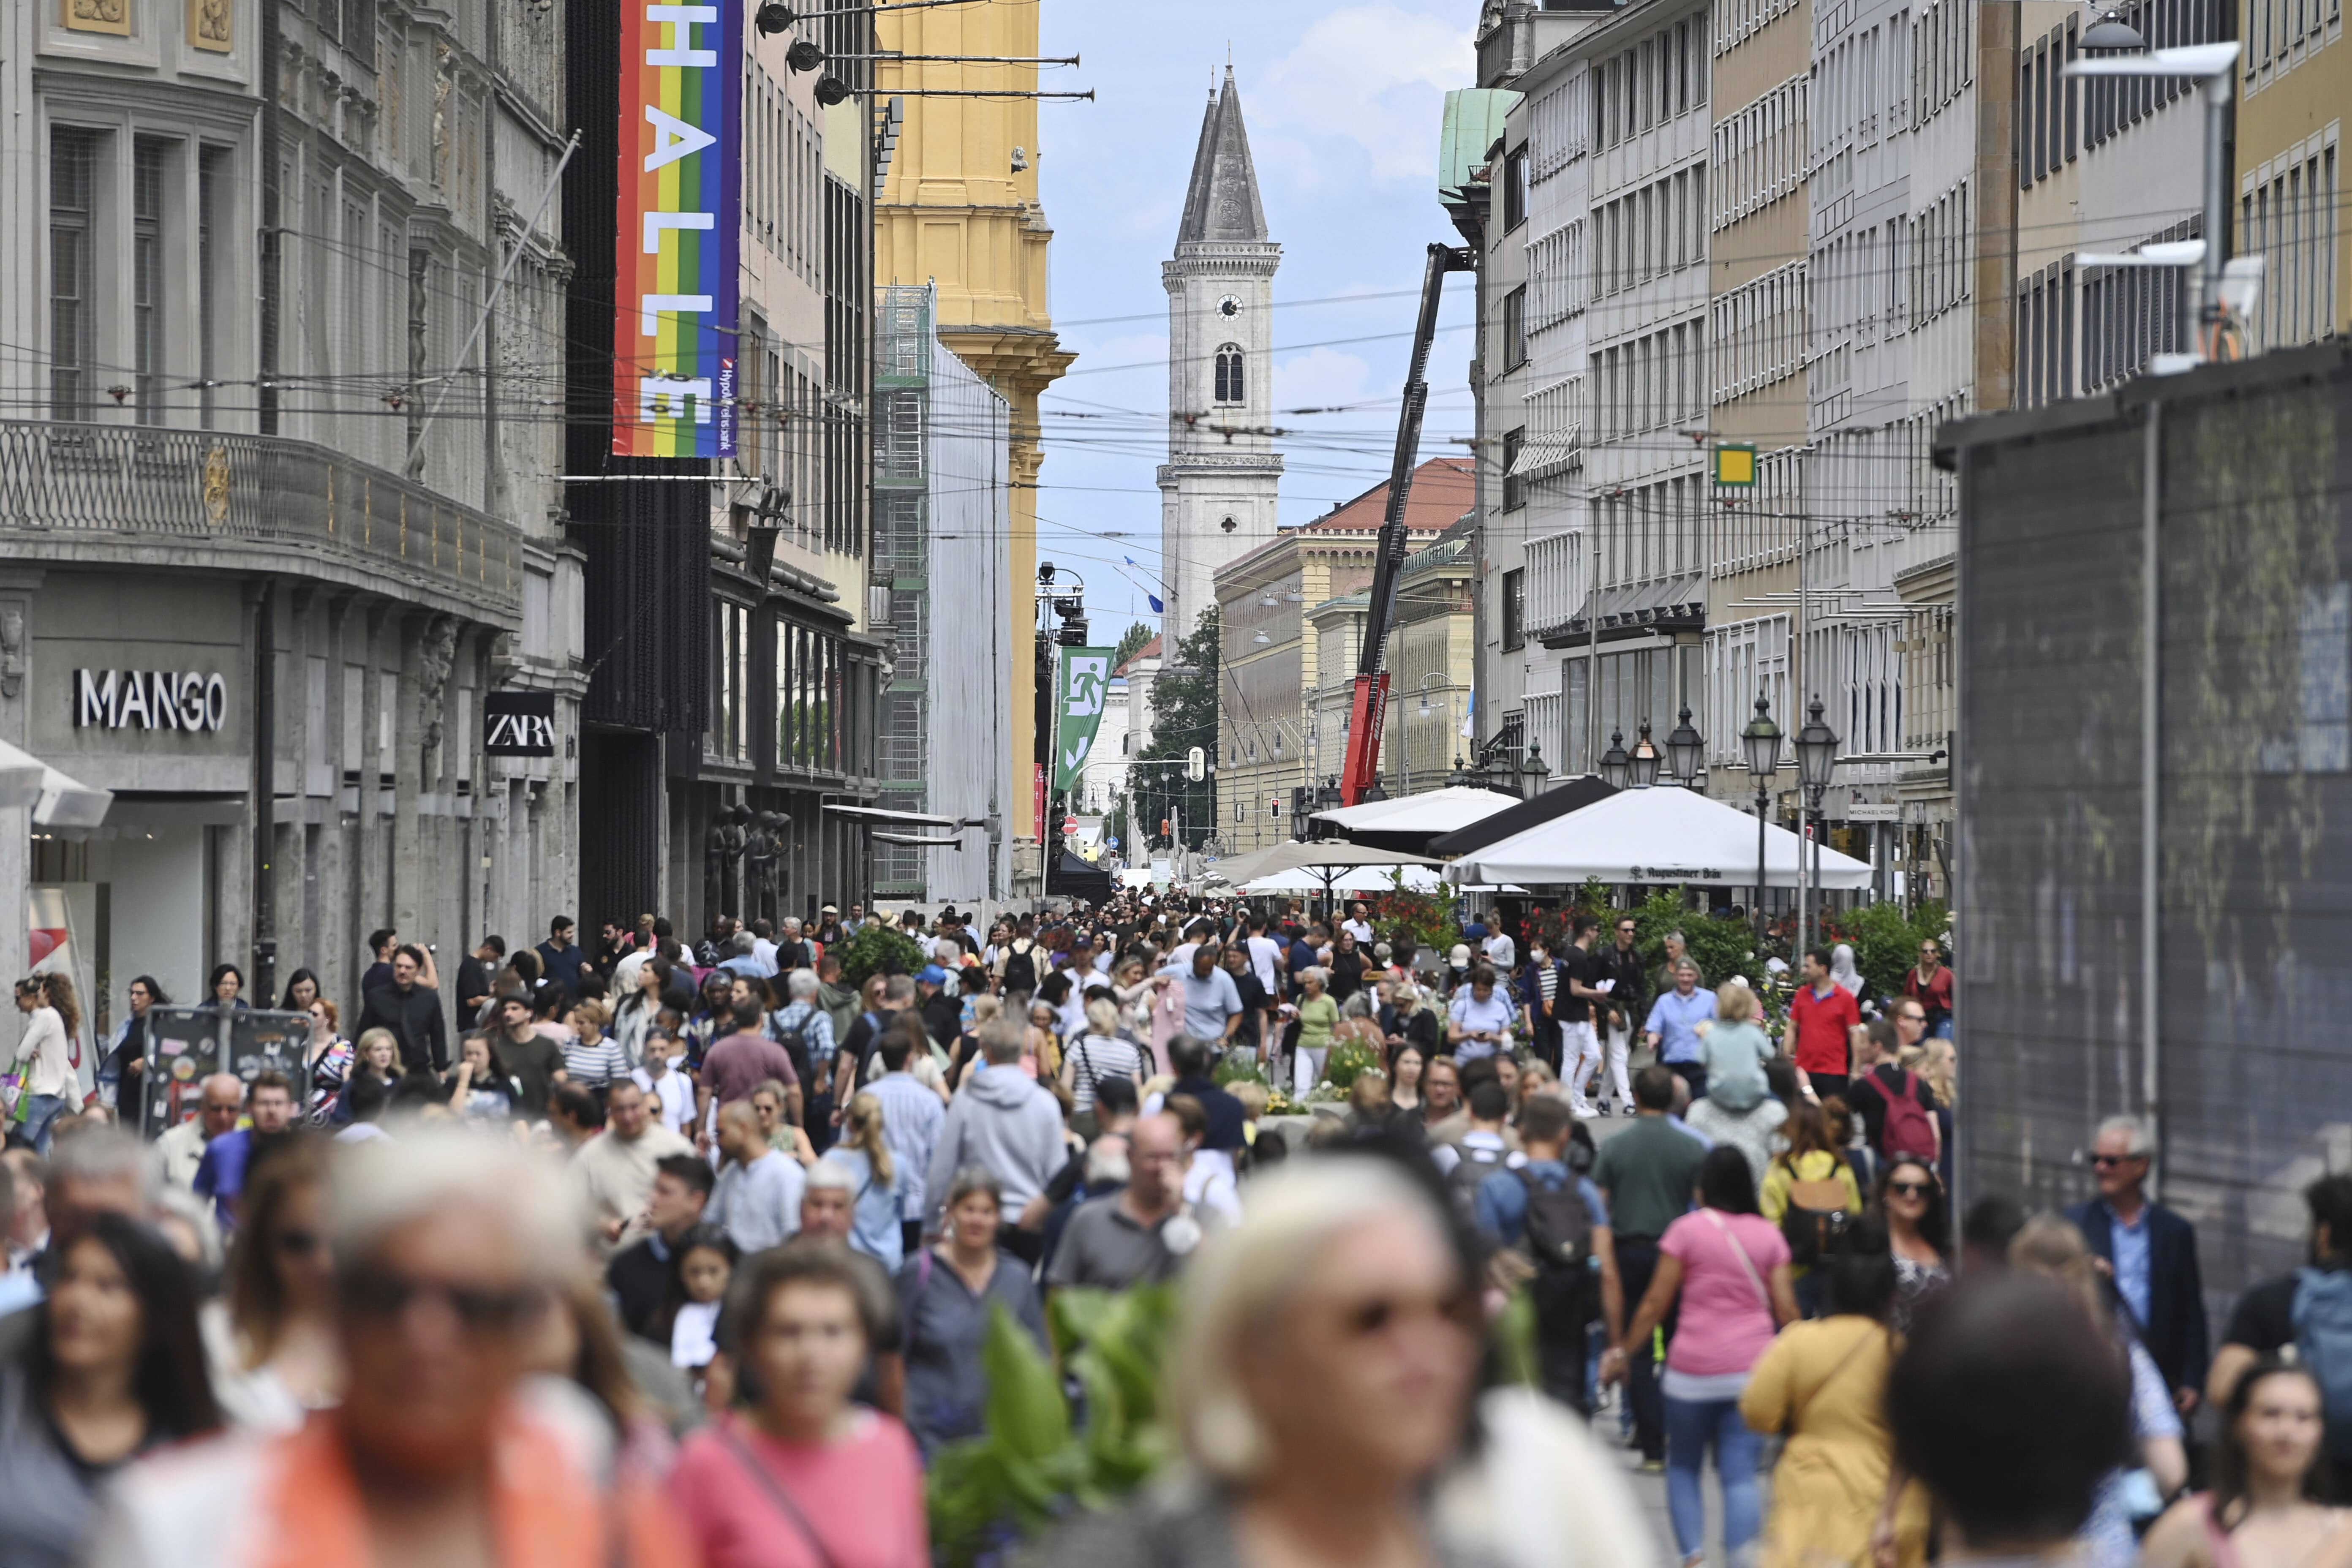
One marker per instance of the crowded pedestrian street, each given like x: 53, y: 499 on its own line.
x: 1174, y: 1225
x: 1058, y: 783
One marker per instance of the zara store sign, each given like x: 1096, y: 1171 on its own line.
x: 149, y: 700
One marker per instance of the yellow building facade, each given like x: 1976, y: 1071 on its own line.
x: 2295, y: 84
x: 959, y: 210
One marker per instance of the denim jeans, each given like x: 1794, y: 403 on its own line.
x: 41, y: 1110
x: 1691, y: 1426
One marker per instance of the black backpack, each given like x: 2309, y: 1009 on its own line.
x: 1558, y: 1227
x: 1814, y: 1234
x: 1469, y: 1173
x: 1020, y: 972
x: 796, y: 1045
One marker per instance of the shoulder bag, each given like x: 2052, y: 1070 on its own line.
x: 776, y: 1492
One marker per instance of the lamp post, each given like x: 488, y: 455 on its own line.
x: 1686, y: 753
x: 1645, y: 759
x: 1760, y: 741
x: 1817, y: 746
x: 1615, y: 765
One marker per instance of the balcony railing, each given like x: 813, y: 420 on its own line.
x: 196, y: 486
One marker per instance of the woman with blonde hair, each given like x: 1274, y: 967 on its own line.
x: 279, y: 1358
x: 2051, y: 1245
x: 883, y: 1191
x: 969, y: 1052
x: 1100, y: 1053
x: 1739, y: 1107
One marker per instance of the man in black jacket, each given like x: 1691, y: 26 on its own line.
x: 413, y: 1014
x: 2151, y: 1253
x: 943, y: 1013
x: 639, y: 1275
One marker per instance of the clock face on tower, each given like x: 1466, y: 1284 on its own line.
x: 1230, y: 306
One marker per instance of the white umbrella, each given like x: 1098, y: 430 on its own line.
x: 1433, y: 812
x: 1363, y: 879
x: 1661, y: 835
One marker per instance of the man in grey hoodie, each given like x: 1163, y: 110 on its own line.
x: 1004, y: 1123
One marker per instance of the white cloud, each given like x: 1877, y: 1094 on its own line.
x: 1374, y: 75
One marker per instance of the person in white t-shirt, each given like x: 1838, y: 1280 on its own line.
x: 672, y: 1095
x: 1503, y: 953
x: 1265, y: 955
x: 1358, y: 926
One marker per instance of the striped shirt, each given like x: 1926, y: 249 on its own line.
x: 595, y: 1066
x: 1093, y: 1058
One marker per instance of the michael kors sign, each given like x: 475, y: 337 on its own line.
x: 149, y: 700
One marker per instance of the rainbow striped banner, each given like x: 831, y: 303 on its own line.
x: 674, y: 304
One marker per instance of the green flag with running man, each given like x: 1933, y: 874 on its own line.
x: 1082, y: 682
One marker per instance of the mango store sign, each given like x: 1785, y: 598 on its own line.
x: 149, y: 700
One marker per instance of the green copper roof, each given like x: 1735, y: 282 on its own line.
x: 1474, y: 123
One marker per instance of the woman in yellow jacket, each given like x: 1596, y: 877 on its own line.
x: 1824, y: 1384
x: 1811, y: 1173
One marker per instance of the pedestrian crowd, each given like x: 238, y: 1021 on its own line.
x: 665, y: 1255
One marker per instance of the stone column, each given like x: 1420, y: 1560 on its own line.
x: 18, y: 679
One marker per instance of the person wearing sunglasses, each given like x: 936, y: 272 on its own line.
x: 1321, y: 1377
x: 1918, y: 1232
x: 2150, y: 1251
x: 280, y: 1360
x: 445, y: 1248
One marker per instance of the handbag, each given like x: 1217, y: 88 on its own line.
x: 776, y: 1492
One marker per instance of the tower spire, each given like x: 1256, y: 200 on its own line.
x: 1221, y: 202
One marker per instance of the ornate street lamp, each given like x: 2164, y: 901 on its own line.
x: 1761, y: 743
x: 1686, y: 751
x: 1817, y: 747
x: 1645, y: 759
x: 1615, y: 765
x: 1533, y: 771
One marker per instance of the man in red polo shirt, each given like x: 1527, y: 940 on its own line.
x: 1822, y: 1013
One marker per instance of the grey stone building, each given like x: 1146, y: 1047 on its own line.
x: 277, y: 511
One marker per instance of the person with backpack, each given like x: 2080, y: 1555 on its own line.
x: 1482, y: 1150
x: 1556, y: 1219
x: 1725, y: 1268
x: 2310, y: 1309
x: 1896, y: 1107
x: 1811, y: 1192
x: 1017, y: 966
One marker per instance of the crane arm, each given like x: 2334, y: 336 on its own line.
x: 1370, y: 702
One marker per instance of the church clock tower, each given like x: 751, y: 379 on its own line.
x: 1218, y: 487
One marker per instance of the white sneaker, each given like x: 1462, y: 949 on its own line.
x: 1584, y: 1112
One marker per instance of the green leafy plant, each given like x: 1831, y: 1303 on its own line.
x: 1239, y: 1068
x: 878, y: 950
x: 1886, y: 942
x: 1038, y: 1458
x: 1721, y: 947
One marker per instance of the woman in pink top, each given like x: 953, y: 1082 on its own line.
x: 803, y: 1479
x: 1729, y: 1266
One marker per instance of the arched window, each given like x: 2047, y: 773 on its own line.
x: 1229, y: 373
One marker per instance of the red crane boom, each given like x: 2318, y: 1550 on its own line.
x: 1361, y: 773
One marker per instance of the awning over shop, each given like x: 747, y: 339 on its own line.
x: 56, y: 799
x: 880, y: 813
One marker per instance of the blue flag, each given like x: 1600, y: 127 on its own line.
x: 1156, y: 608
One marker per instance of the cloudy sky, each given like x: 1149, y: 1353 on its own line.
x: 1343, y: 101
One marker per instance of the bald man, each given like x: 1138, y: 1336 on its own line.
x: 179, y: 1151
x: 758, y: 1197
